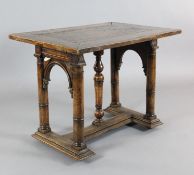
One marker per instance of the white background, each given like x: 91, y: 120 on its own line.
x: 167, y: 149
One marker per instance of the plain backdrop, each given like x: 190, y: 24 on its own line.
x: 165, y: 150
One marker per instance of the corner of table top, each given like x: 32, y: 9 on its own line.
x: 17, y: 37
x: 178, y: 31
x: 12, y: 36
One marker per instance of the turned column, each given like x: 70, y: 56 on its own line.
x: 98, y: 83
x: 42, y: 94
x: 78, y: 107
x: 151, y: 79
x: 114, y: 79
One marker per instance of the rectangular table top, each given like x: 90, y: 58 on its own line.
x: 90, y: 38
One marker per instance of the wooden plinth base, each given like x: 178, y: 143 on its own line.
x: 63, y: 144
x: 120, y: 117
x: 135, y: 117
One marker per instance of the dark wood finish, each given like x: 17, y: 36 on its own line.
x: 120, y: 117
x: 151, y: 81
x: 75, y: 76
x: 98, y: 83
x: 90, y: 38
x: 135, y: 117
x: 42, y: 94
x: 63, y: 144
x: 115, y: 66
x: 147, y: 53
x: 65, y: 48
x: 78, y: 107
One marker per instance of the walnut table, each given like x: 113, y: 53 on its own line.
x: 65, y: 47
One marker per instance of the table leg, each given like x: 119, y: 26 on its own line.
x: 151, y: 79
x: 114, y: 80
x: 78, y: 107
x: 98, y: 83
x: 42, y: 94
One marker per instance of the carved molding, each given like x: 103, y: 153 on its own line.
x: 98, y: 66
x: 73, y: 59
x: 47, y: 69
x: 154, y: 44
x: 65, y: 60
x: 43, y: 105
x: 142, y: 49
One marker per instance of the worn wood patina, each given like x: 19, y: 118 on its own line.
x: 65, y: 47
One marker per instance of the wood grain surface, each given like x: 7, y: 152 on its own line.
x: 96, y: 37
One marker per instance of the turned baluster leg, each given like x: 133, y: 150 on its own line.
x: 114, y: 79
x: 151, y: 78
x: 42, y: 94
x: 78, y: 107
x: 98, y: 83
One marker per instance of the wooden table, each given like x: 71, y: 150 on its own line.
x: 65, y: 47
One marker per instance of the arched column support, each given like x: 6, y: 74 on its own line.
x: 142, y: 49
x: 73, y: 67
x: 48, y: 67
x: 147, y: 53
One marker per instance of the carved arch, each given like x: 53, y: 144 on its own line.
x: 47, y: 69
x: 142, y: 49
